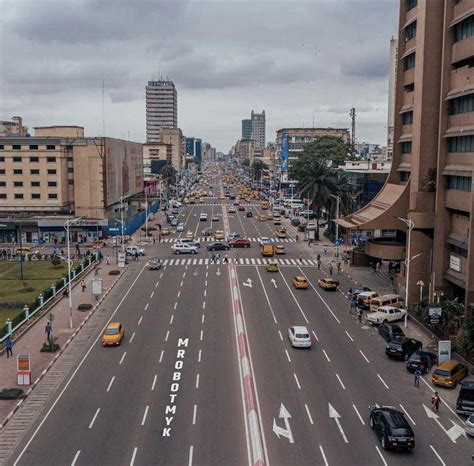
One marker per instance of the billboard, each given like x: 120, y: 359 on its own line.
x: 284, y: 152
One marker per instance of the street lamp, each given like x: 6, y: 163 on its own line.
x: 338, y: 199
x: 438, y: 295
x: 410, y: 225
x: 421, y: 283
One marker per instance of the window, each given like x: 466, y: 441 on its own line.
x: 1, y: 146
x: 34, y: 159
x: 409, y: 87
x: 407, y: 118
x: 34, y: 171
x: 18, y: 184
x: 18, y: 195
x: 461, y: 144
x: 409, y: 62
x: 464, y: 29
x: 52, y: 196
x: 70, y: 170
x: 51, y: 159
x: 33, y: 146
x: 404, y: 176
x: 2, y: 171
x: 3, y: 196
x: 3, y: 184
x: 411, y: 4
x: 70, y: 182
x: 18, y: 171
x: 457, y: 250
x: 459, y: 183
x: 463, y: 104
x: 16, y: 147
x: 2, y: 159
x: 406, y: 147
x: 36, y: 196
x: 35, y: 184
x: 410, y: 31
x: 52, y: 184
x: 52, y: 171
x: 16, y: 159
x: 50, y: 147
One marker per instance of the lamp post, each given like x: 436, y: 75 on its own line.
x: 146, y: 212
x: 121, y: 220
x: 421, y: 283
x: 338, y: 199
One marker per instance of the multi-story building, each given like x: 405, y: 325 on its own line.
x: 194, y: 149
x: 430, y: 183
x: 245, y: 150
x: 161, y: 108
x: 155, y: 157
x: 258, y: 128
x: 246, y: 129
x: 290, y: 143
x: 13, y: 128
x: 392, y: 77
x: 174, y: 137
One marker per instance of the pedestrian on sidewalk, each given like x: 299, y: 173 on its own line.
x: 417, y: 378
x: 107, y: 260
x: 83, y: 286
x: 66, y: 292
x: 325, y: 249
x: 296, y: 237
x: 435, y: 402
x: 9, y: 346
x: 48, y: 330
x: 330, y: 269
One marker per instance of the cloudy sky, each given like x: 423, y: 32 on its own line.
x: 295, y: 59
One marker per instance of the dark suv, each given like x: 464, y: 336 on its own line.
x: 390, y: 331
x: 402, y: 347
x: 422, y: 360
x: 392, y: 428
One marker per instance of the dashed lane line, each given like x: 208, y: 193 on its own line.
x: 197, y: 380
x: 364, y: 356
x: 194, y: 414
x: 145, y: 414
x: 94, y: 418
x: 309, y: 414
x: 382, y: 380
x: 122, y: 358
x: 146, y: 307
x: 171, y: 319
x: 358, y: 414
x: 408, y: 416
x: 199, y: 355
x: 325, y: 354
x: 161, y: 356
x: 315, y: 336
x: 437, y: 455
x: 281, y: 336
x: 132, y: 337
x: 321, y: 449
x: 75, y: 458
x: 110, y: 383
x: 201, y: 336
x: 348, y: 334
x: 190, y: 461
x: 134, y: 454
x: 154, y: 382
x: 288, y: 355
x: 167, y: 335
x: 297, y: 381
x: 140, y: 320
x: 340, y: 381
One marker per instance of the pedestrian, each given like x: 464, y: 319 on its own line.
x: 330, y: 269
x: 296, y: 237
x: 154, y: 240
x: 319, y: 264
x: 435, y: 402
x: 349, y: 293
x: 48, y: 330
x: 353, y: 306
x: 66, y: 293
x: 236, y: 257
x: 9, y: 346
x: 213, y: 258
x: 359, y: 314
x: 301, y: 256
x: 318, y: 257
x: 338, y: 268
x: 83, y: 286
x: 218, y: 257
x: 136, y: 256
x: 226, y: 259
x: 417, y: 378
x: 107, y: 260
x: 325, y: 249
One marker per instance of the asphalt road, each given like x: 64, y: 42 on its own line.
x: 172, y: 393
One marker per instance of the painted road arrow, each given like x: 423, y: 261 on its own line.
x: 218, y: 271
x: 453, y: 433
x: 274, y: 282
x: 279, y: 431
x: 248, y: 283
x: 333, y: 414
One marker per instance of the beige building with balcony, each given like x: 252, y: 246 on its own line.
x: 174, y: 137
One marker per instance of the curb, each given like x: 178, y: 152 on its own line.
x: 68, y: 342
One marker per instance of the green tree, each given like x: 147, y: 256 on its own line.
x: 168, y: 174
x: 258, y: 166
x: 327, y: 148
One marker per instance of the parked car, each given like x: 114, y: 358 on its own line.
x: 240, y: 243
x: 390, y: 331
x: 422, y: 360
x: 386, y: 314
x: 449, y: 373
x: 132, y: 250
x: 299, y: 337
x: 465, y: 403
x: 218, y: 246
x: 402, y: 347
x: 183, y: 248
x: 469, y: 425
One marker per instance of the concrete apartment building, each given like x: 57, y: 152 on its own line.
x: 13, y: 128
x: 161, y: 108
x: 392, y: 79
x: 174, y: 137
x: 246, y: 129
x: 258, y: 128
x: 430, y: 183
x: 155, y: 156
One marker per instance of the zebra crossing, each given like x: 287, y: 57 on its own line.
x: 243, y: 261
x: 221, y: 203
x: 210, y: 238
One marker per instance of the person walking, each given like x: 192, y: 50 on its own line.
x: 338, y: 268
x: 213, y: 258
x: 417, y: 378
x: 48, y: 330
x: 359, y: 314
x: 236, y: 257
x: 318, y: 257
x: 136, y: 256
x: 301, y: 256
x: 296, y: 237
x: 218, y: 258
x: 435, y: 402
x: 319, y: 264
x: 353, y: 306
x: 83, y: 286
x: 226, y: 259
x: 330, y: 269
x: 325, y: 249
x: 349, y: 293
x: 9, y: 346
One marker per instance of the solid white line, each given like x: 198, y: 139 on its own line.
x: 327, y: 357
x: 154, y: 382
x: 281, y: 336
x: 94, y: 418
x: 75, y: 457
x: 287, y: 355
x: 194, y: 414
x: 297, y: 381
x: 140, y: 320
x: 266, y: 295
x: 146, y: 307
x: 347, y: 333
x: 167, y: 335
x: 202, y: 319
x: 122, y: 358
x: 176, y: 304
x: 133, y: 456
x: 111, y: 382
x: 152, y: 294
x: 145, y: 415
x: 381, y: 456
x: 132, y: 337
x: 201, y: 335
x: 408, y: 416
x: 386, y: 386
x: 315, y: 336
x: 340, y: 381
x: 365, y: 357
x: 439, y: 457
x: 358, y: 414
x: 197, y: 380
x: 161, y: 355
x: 309, y: 414
x: 199, y: 356
x: 323, y: 455
x: 190, y: 462
x: 171, y: 320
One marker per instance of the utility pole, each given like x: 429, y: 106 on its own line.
x: 353, y: 130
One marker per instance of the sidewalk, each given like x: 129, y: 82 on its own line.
x: 32, y: 341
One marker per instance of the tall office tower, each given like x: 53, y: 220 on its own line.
x: 392, y: 76
x: 246, y: 129
x: 258, y: 128
x: 161, y: 108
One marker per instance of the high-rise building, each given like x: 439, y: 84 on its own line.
x: 174, y: 136
x: 247, y: 129
x: 161, y: 108
x: 392, y: 76
x: 430, y: 183
x: 258, y: 128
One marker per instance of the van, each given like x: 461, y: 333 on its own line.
x: 268, y: 250
x: 393, y: 300
x: 465, y: 403
x: 449, y: 373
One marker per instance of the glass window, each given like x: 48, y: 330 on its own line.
x: 406, y: 147
x: 34, y: 159
x: 411, y: 4
x: 1, y: 146
x: 34, y: 171
x: 16, y: 159
x: 409, y: 87
x: 463, y: 104
x: 50, y: 147
x: 18, y: 184
x: 18, y: 195
x: 410, y: 31
x: 409, y: 62
x: 3, y: 184
x: 35, y: 196
x: 35, y: 184
x: 464, y: 29
x: 52, y: 196
x: 3, y: 196
x: 52, y: 183
x: 461, y: 144
x: 407, y: 118
x: 33, y: 147
x: 70, y: 170
x: 459, y: 183
x: 2, y: 171
x: 16, y: 147
x: 51, y: 159
x: 18, y: 171
x: 404, y: 176
x: 457, y: 250
x: 52, y: 171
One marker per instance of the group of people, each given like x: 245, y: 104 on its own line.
x: 216, y: 258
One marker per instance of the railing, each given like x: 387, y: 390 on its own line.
x: 26, y: 315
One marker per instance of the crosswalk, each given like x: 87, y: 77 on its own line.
x: 209, y: 238
x: 221, y: 203
x: 242, y: 261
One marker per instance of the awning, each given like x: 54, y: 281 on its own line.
x: 462, y: 17
x: 455, y: 277
x: 457, y: 170
x: 455, y: 93
x: 409, y: 52
x: 457, y: 239
x: 382, y: 212
x: 455, y: 131
x: 405, y: 137
x: 406, y: 108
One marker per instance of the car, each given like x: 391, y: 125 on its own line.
x: 231, y: 210
x: 180, y: 227
x: 203, y: 217
x: 236, y: 202
x: 280, y: 249
x: 295, y: 222
x: 219, y: 234
x: 449, y: 373
x: 132, y: 250
x: 232, y: 236
x: 263, y: 241
x: 153, y: 264
x: 189, y: 235
x: 422, y: 360
x: 386, y: 314
x: 277, y: 221
x: 276, y: 214
x: 392, y: 428
x: 113, y: 334
x: 174, y: 222
x: 221, y: 198
x: 191, y: 242
x: 357, y: 291
x: 390, y: 331
x: 299, y: 336
x: 465, y: 402
x: 207, y: 231
x: 175, y: 211
x: 240, y: 243
x: 300, y: 282
x: 215, y: 218
x: 328, y: 283
x: 262, y: 218
x: 281, y: 232
x: 165, y: 231
x: 241, y: 208
x: 218, y: 246
x: 306, y: 212
x: 272, y: 266
x: 267, y: 250
x: 402, y: 347
x: 249, y: 213
x: 183, y: 248
x: 469, y: 425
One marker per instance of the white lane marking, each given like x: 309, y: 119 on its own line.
x: 110, y: 383
x: 205, y: 293
x: 167, y: 335
x: 161, y: 274
x: 146, y: 307
x: 190, y: 462
x: 145, y: 414
x: 199, y: 356
x: 266, y: 295
x: 94, y: 418
x: 161, y: 355
x: 184, y: 274
x: 175, y: 305
x: 140, y: 320
x: 442, y: 401
x: 132, y: 337
x: 297, y: 381
x: 358, y: 414
x: 181, y: 284
x: 122, y: 358
x: 287, y: 355
x: 197, y: 380
x: 439, y: 457
x: 75, y: 458
x: 202, y: 319
x: 132, y: 461
x: 323, y: 455
x: 315, y: 336
x: 347, y: 333
x: 204, y: 304
x: 294, y: 297
x: 207, y: 273
x: 201, y: 335
x: 340, y: 381
x: 327, y: 357
x: 179, y: 294
x: 281, y: 336
x: 152, y: 294
x: 381, y: 456
x: 364, y: 356
x: 154, y: 382
x: 408, y: 416
x: 309, y: 414
x: 172, y: 318
x: 386, y: 386
x: 205, y: 283
x: 194, y: 414
x: 156, y: 284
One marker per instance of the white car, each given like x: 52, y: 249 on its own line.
x: 386, y: 314
x: 299, y: 337
x: 180, y: 227
x: 231, y: 209
x: 232, y: 236
x: 131, y: 250
x: 203, y: 218
x: 469, y: 425
x: 184, y: 248
x: 264, y: 240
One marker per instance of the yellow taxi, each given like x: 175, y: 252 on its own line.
x: 190, y: 235
x: 449, y: 373
x: 262, y: 218
x: 281, y: 233
x: 221, y: 198
x: 219, y: 234
x: 328, y: 283
x: 300, y: 282
x: 280, y: 249
x: 276, y: 221
x: 113, y: 334
x: 165, y: 231
x: 264, y: 205
x: 272, y: 266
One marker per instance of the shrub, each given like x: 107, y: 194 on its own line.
x: 114, y: 272
x: 49, y: 347
x: 12, y: 394
x: 55, y: 261
x: 84, y: 307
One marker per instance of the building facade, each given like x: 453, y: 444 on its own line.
x: 161, y: 108
x: 174, y: 137
x: 155, y: 157
x: 13, y: 128
x: 392, y: 78
x: 246, y: 129
x: 258, y: 128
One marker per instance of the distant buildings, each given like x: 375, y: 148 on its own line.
x: 13, y: 128
x: 246, y: 129
x: 174, y: 137
x: 258, y: 128
x: 391, y: 95
x: 194, y: 149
